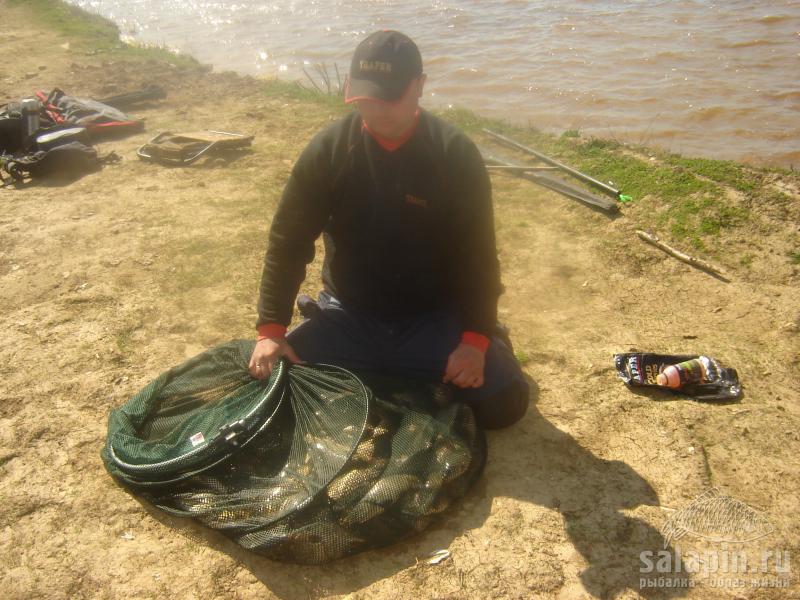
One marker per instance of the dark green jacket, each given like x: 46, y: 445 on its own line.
x: 405, y: 232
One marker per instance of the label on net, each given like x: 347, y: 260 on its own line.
x: 197, y: 439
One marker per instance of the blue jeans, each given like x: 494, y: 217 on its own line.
x: 418, y: 347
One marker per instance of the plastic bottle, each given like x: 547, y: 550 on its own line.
x: 690, y: 371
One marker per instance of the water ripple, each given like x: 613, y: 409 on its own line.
x: 613, y: 66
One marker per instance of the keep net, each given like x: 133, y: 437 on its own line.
x: 310, y: 466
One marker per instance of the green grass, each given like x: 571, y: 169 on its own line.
x: 87, y: 29
x: 726, y: 172
x: 123, y: 339
x: 92, y: 33
x: 293, y: 91
x: 794, y: 257
x: 683, y: 196
x: 522, y: 357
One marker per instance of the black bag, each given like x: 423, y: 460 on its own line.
x: 70, y: 161
x: 11, y: 134
x: 66, y: 162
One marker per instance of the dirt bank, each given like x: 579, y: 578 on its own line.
x: 110, y: 280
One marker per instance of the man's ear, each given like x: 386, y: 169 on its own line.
x: 421, y: 83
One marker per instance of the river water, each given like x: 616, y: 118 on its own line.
x: 715, y: 79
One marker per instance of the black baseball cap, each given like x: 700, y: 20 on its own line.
x: 383, y: 65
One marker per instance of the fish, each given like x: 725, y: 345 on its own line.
x: 453, y: 457
x: 258, y: 506
x: 448, y: 417
x: 264, y: 539
x: 388, y: 489
x: 361, y: 512
x: 350, y: 485
x: 195, y: 502
x: 321, y: 541
x: 381, y: 429
x: 427, y: 501
x: 327, y: 448
x: 365, y: 451
x: 386, y: 492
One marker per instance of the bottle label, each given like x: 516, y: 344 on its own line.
x: 691, y: 371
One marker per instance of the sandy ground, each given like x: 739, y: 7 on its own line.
x: 111, y: 280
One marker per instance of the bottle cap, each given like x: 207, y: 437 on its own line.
x: 30, y: 104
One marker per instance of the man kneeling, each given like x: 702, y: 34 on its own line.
x: 411, y: 275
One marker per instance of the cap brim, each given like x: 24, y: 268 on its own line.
x: 366, y: 89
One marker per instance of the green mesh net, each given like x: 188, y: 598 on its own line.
x: 312, y: 465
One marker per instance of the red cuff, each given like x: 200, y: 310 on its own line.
x: 479, y: 341
x: 271, y: 330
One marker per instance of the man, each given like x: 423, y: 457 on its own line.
x: 411, y: 274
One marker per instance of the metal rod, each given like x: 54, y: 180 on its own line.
x: 514, y: 168
x: 574, y: 172
x: 226, y: 133
x: 557, y: 185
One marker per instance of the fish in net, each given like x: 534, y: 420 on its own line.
x: 314, y: 464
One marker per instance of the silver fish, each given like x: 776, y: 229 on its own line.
x: 365, y: 451
x: 453, y: 458
x: 388, y: 489
x: 350, y: 485
x: 362, y: 512
x: 426, y: 501
x: 321, y: 541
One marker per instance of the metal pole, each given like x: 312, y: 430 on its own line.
x: 575, y: 173
x: 515, y: 169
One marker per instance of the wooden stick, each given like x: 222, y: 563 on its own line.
x: 697, y: 263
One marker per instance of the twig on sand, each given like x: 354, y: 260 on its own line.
x: 697, y: 263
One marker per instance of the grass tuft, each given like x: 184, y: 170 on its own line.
x: 522, y: 357
x: 93, y: 33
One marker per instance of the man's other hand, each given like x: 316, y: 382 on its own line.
x: 465, y: 367
x: 266, y: 353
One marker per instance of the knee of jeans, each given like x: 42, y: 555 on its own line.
x: 504, y: 408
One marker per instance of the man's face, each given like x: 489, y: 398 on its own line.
x: 392, y: 120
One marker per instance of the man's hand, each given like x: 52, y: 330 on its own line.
x: 266, y: 353
x: 465, y: 367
